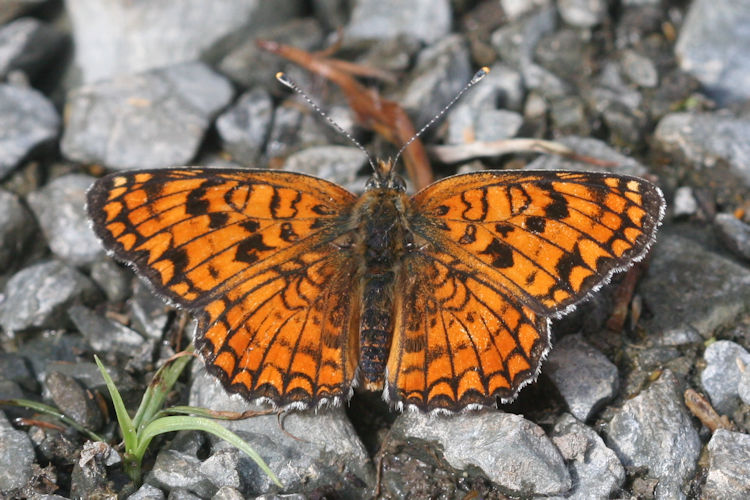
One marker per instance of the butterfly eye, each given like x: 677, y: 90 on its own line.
x: 398, y: 183
x: 372, y: 183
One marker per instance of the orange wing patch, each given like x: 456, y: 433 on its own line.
x: 249, y: 253
x: 286, y: 334
x: 460, y: 341
x: 548, y: 238
x: 501, y: 252
x: 192, y: 232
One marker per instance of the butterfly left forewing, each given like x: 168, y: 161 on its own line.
x: 190, y: 232
x: 251, y: 254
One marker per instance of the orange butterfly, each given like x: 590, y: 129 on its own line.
x: 303, y: 290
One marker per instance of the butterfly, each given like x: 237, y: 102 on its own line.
x: 442, y: 299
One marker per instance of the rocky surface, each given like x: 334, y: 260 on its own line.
x: 653, y: 430
x: 147, y: 120
x: 60, y: 209
x: 27, y: 121
x: 649, y: 88
x: 586, y: 378
x: 509, y: 449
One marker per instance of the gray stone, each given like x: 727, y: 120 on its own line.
x: 689, y: 288
x: 42, y: 351
x: 392, y: 54
x: 338, y: 164
x: 583, y: 13
x: 13, y: 367
x: 595, y: 469
x: 223, y: 468
x: 27, y: 45
x: 728, y: 466
x: 88, y: 374
x: 38, y: 296
x: 290, y: 496
x: 639, y: 69
x: 586, y: 379
x: 174, y: 469
x: 120, y: 37
x: 684, y: 204
x: 441, y: 71
x: 545, y: 82
x: 10, y: 390
x: 327, y: 451
x: 743, y: 387
x: 27, y: 120
x: 16, y: 456
x: 515, y: 9
x: 425, y: 20
x: 515, y: 42
x: 229, y: 493
x: 73, y: 400
x: 104, y: 334
x: 149, y: 313
x: 251, y: 66
x: 655, y: 430
x: 480, y: 112
x: 294, y: 129
x: 16, y: 228
x: 511, y: 451
x: 722, y: 374
x: 568, y: 115
x: 154, y: 119
x: 612, y: 94
x: 244, y: 127
x: 60, y: 209
x: 113, y: 279
x: 712, y: 46
x: 734, y: 233
x: 706, y: 139
x: 626, y: 126
x: 147, y: 492
x: 183, y: 494
x: 589, y: 147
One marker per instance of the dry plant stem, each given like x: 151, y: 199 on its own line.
x: 623, y: 295
x: 383, y: 116
x: 702, y: 409
x: 463, y: 152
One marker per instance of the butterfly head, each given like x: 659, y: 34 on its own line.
x: 385, y: 177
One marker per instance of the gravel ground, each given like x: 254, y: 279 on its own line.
x: 658, y: 88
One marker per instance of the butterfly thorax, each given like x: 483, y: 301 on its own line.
x: 383, y: 240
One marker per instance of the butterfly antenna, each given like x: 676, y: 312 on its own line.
x: 281, y: 77
x: 474, y: 80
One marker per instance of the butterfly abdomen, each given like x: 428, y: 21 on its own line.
x: 382, y: 237
x: 376, y: 329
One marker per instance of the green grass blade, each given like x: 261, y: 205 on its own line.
x: 54, y: 412
x: 126, y: 424
x: 184, y: 423
x: 158, y: 390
